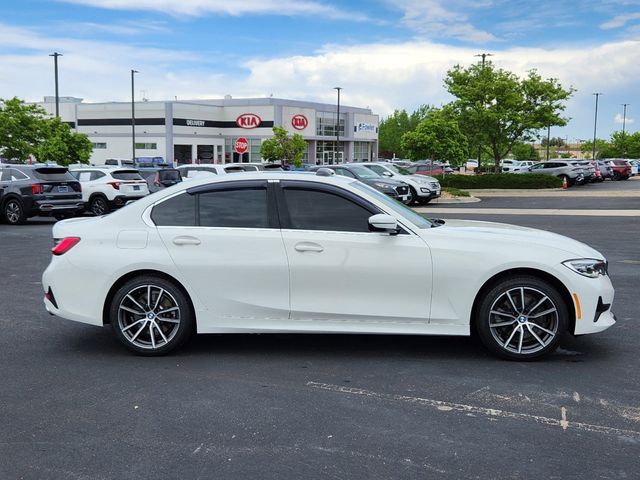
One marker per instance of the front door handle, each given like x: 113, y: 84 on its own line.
x: 308, y: 247
x: 186, y: 240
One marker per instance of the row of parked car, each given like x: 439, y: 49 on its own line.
x: 51, y: 190
x: 577, y: 172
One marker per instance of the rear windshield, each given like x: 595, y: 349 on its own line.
x: 53, y: 174
x: 127, y: 175
x: 169, y: 175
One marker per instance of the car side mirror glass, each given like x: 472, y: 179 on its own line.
x: 383, y: 223
x: 387, y: 174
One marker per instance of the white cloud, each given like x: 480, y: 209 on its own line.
x: 620, y: 21
x: 382, y: 76
x: 225, y: 7
x: 619, y: 119
x: 432, y: 19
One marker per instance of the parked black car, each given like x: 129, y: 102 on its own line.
x: 394, y: 188
x: 30, y: 190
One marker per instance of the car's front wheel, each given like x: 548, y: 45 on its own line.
x: 521, y: 318
x: 151, y: 315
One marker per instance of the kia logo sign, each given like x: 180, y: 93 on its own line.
x: 299, y: 122
x: 248, y: 120
x: 241, y: 145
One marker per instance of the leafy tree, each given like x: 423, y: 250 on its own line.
x: 282, y: 147
x: 618, y: 146
x: 437, y: 137
x: 390, y: 132
x: 524, y: 151
x: 603, y: 149
x: 62, y: 145
x: 22, y: 129
x: 496, y: 108
x: 553, y: 142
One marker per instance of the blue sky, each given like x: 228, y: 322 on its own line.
x: 386, y: 54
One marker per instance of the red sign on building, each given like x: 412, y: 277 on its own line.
x: 248, y: 120
x: 299, y: 122
x: 241, y: 145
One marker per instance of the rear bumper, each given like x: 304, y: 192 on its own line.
x: 47, y: 207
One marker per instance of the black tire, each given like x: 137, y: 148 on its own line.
x: 148, y: 333
x: 424, y: 201
x: 13, y: 212
x: 413, y: 196
x: 513, y: 324
x: 99, y: 205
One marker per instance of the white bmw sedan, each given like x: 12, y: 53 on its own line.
x: 298, y: 252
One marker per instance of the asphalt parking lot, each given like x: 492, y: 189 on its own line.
x: 75, y: 404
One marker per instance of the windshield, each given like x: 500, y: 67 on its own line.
x: 363, y: 172
x: 400, y: 170
x: 394, y: 206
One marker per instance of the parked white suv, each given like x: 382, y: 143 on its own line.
x: 423, y: 188
x: 104, y: 189
x: 516, y: 166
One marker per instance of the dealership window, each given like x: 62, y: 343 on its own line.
x: 326, y: 124
x: 328, y: 154
x: 255, y: 144
x: 146, y: 146
x: 361, y: 151
x: 99, y: 145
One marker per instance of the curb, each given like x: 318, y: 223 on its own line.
x: 454, y: 200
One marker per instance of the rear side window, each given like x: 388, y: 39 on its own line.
x: 242, y: 208
x: 178, y: 211
x: 316, y: 210
x: 18, y: 175
x: 52, y: 174
x: 127, y: 175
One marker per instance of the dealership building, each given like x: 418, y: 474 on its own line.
x: 219, y: 131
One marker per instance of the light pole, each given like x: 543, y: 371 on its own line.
x: 484, y: 57
x: 338, y: 124
x: 133, y: 119
x: 595, y: 126
x: 55, y: 56
x: 624, y: 122
x: 548, y: 141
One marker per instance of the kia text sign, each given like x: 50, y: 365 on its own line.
x: 248, y: 120
x: 299, y: 122
x: 241, y: 145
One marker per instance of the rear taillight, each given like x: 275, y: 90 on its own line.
x: 37, y: 189
x: 65, y: 245
x: 115, y: 185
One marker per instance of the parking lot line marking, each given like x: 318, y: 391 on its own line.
x: 444, y: 406
x: 532, y: 211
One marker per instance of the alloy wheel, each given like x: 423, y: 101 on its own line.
x: 523, y: 320
x: 149, y: 317
x: 13, y: 211
x: 98, y: 206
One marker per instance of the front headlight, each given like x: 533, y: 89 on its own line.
x: 588, y: 267
x: 384, y: 186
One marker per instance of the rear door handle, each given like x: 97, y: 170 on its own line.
x: 308, y: 247
x: 186, y: 240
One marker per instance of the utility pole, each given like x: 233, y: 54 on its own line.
x: 595, y: 126
x: 484, y: 57
x: 55, y: 56
x: 338, y: 124
x: 133, y: 119
x: 549, y: 141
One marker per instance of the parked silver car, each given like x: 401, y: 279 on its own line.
x: 562, y: 169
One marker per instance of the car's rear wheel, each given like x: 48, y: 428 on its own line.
x: 99, y: 205
x: 521, y: 318
x: 151, y: 316
x: 13, y: 212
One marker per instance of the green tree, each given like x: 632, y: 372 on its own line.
x: 390, y: 132
x: 282, y: 147
x: 22, y: 129
x: 524, y: 151
x: 496, y: 108
x: 603, y: 149
x: 437, y: 137
x: 62, y: 145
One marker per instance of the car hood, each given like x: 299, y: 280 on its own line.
x: 521, y: 236
x: 421, y: 178
x: 386, y: 181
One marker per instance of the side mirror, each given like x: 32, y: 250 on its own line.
x: 383, y: 223
x: 387, y: 174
